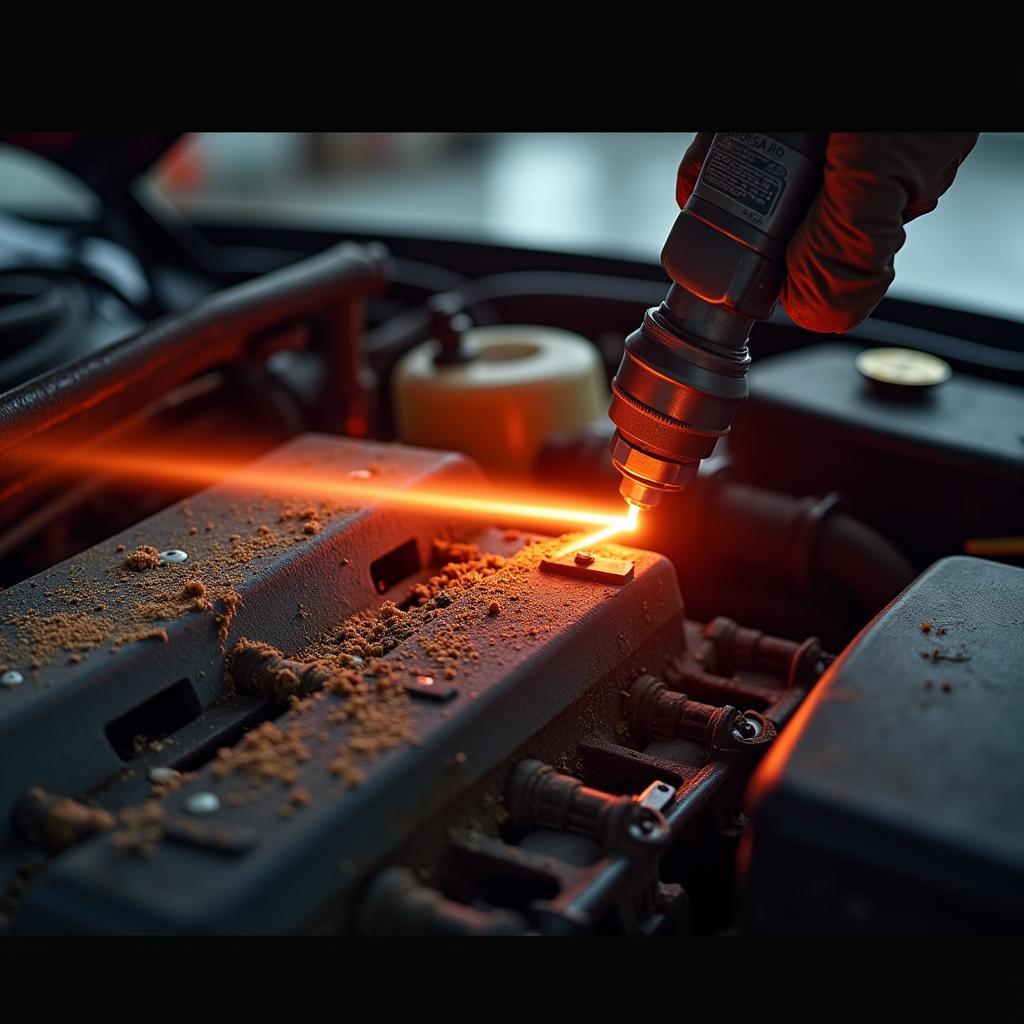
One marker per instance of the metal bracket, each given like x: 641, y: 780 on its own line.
x: 589, y: 567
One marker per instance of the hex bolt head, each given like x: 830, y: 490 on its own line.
x: 12, y: 678
x: 173, y: 556
x: 202, y: 803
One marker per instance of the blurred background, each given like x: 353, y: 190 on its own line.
x: 609, y: 194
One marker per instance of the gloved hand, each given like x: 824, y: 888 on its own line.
x: 840, y: 261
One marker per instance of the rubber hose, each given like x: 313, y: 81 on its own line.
x: 804, y: 540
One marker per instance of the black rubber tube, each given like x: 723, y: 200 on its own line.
x: 390, y: 340
x: 83, y: 397
x: 787, y: 535
x: 862, y: 559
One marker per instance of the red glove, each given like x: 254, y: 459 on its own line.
x: 840, y: 261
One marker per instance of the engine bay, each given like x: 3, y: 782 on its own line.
x: 232, y: 703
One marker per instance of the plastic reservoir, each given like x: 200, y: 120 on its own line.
x: 520, y: 385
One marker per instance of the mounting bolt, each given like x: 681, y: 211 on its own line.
x: 202, y: 803
x: 12, y: 679
x: 161, y: 775
x: 173, y: 556
x: 649, y: 828
x: 584, y: 558
x: 746, y: 728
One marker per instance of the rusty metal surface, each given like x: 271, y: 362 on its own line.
x: 52, y: 727
x: 247, y: 868
x: 279, y: 882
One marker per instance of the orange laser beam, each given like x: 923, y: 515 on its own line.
x: 622, y: 525
x: 469, y: 503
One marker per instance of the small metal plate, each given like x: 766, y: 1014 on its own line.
x: 657, y: 796
x: 603, y: 570
x: 431, y: 688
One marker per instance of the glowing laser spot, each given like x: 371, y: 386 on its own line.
x: 361, y: 490
x: 622, y: 525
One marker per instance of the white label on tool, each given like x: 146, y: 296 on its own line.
x: 746, y: 174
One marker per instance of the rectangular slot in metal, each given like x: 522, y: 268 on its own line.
x: 398, y: 564
x: 164, y: 713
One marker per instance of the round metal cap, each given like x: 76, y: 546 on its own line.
x: 902, y: 368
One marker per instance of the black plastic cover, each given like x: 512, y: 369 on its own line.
x: 929, y: 471
x: 893, y: 799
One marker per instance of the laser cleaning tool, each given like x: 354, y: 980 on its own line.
x: 684, y: 372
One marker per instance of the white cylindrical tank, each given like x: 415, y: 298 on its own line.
x: 521, y: 384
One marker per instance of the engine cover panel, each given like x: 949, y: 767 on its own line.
x: 898, y: 779
x: 538, y: 641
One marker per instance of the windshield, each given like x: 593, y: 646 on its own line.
x: 610, y: 194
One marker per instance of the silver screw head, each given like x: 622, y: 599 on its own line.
x: 646, y: 829
x: 202, y: 803
x: 12, y: 678
x: 173, y: 556
x: 162, y: 774
x: 746, y: 728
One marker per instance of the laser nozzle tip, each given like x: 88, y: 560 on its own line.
x: 638, y: 495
